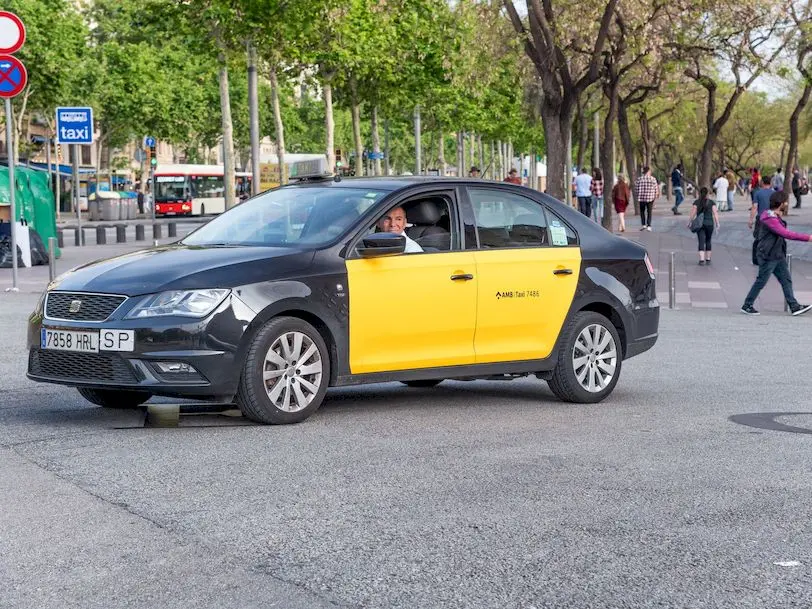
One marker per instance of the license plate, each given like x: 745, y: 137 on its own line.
x: 170, y: 213
x: 87, y: 341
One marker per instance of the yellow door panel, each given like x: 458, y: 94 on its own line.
x: 406, y: 312
x: 522, y: 304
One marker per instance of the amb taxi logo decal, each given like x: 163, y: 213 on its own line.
x: 518, y: 294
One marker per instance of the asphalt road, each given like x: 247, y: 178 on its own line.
x: 483, y: 494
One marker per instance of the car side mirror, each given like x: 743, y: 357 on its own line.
x: 382, y: 244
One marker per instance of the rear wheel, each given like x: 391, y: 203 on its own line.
x: 286, y: 372
x: 114, y: 398
x: 589, y: 361
x: 422, y: 384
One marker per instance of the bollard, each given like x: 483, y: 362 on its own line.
x: 121, y: 233
x: 139, y: 232
x: 52, y: 258
x: 672, y: 283
x: 789, y: 268
x: 60, y: 238
x: 156, y: 230
x: 173, y: 229
x: 79, y: 233
x: 101, y: 235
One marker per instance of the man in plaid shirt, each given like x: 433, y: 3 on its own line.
x: 648, y: 190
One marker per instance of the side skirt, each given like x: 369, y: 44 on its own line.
x: 501, y: 370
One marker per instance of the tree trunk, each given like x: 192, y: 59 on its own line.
x: 628, y: 152
x: 645, y: 139
x: 606, y: 153
x: 356, y: 129
x: 279, y: 127
x: 583, y: 135
x: 557, y: 123
x: 706, y: 160
x: 253, y: 113
x: 228, y: 134
x: 376, y: 141
x: 441, y: 153
x: 329, y: 123
x: 793, y: 129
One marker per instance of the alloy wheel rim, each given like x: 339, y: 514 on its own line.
x: 594, y: 358
x: 292, y: 372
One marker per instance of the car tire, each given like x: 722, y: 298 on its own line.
x: 285, y: 374
x: 587, y: 373
x: 422, y: 384
x: 114, y: 398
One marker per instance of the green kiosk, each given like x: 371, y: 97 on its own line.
x: 33, y: 201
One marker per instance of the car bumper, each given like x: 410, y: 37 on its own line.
x: 646, y: 329
x: 210, y: 346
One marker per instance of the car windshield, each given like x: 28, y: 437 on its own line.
x: 293, y: 217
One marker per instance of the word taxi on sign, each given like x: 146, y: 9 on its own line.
x: 74, y: 125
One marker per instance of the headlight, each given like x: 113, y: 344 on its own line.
x: 186, y: 303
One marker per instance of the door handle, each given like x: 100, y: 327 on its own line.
x: 562, y: 272
x: 462, y: 277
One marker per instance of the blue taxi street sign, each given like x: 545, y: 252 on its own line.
x: 74, y: 125
x: 149, y: 141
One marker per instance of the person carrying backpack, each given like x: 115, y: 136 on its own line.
x: 772, y: 255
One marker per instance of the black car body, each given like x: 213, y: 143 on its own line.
x: 510, y: 282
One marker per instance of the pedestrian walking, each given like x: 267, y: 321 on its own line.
x: 720, y: 191
x: 772, y: 255
x: 648, y: 190
x: 676, y: 186
x: 513, y: 177
x: 761, y: 203
x: 583, y: 191
x: 731, y: 188
x: 620, y: 199
x: 778, y: 180
x: 597, y: 195
x: 796, y: 188
x: 706, y: 209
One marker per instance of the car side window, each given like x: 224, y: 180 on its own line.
x: 505, y: 220
x: 426, y: 222
x: 561, y: 235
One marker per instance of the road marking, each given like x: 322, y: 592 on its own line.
x: 787, y: 563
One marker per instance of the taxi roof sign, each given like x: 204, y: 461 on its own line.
x: 309, y: 169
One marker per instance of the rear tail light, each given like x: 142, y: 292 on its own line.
x: 649, y: 266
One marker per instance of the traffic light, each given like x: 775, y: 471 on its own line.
x: 338, y: 155
x: 58, y: 152
x: 153, y: 156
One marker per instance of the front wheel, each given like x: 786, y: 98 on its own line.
x: 286, y: 372
x: 114, y: 398
x: 589, y: 361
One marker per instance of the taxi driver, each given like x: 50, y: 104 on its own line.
x: 395, y: 222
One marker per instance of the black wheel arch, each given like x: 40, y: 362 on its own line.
x: 307, y: 311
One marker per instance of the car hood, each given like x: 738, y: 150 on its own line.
x: 184, y: 267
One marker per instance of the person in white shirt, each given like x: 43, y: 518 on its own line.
x: 395, y: 222
x: 583, y: 190
x: 720, y: 192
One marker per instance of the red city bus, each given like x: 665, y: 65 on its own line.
x: 194, y: 189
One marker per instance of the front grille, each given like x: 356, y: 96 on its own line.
x: 95, y: 367
x: 92, y: 307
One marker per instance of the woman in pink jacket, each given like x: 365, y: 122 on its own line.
x: 772, y: 255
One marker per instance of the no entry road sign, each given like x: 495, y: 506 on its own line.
x: 13, y: 76
x: 12, y: 33
x: 74, y: 125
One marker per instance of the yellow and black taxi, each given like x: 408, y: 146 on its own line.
x: 333, y: 282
